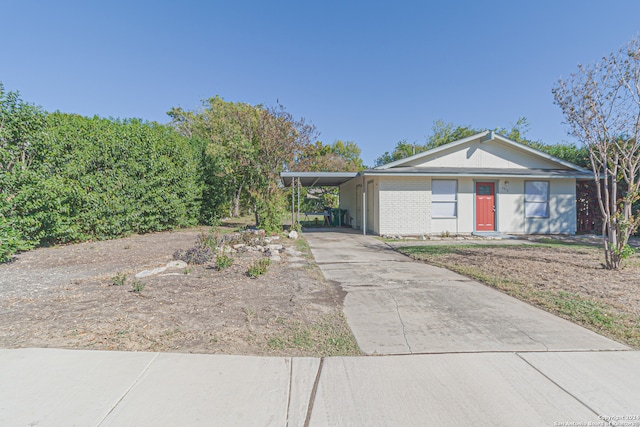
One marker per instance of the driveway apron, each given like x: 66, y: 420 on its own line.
x: 395, y: 305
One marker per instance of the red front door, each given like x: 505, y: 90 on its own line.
x: 485, y: 206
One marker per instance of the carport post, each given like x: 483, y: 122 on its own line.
x: 364, y: 207
x: 292, y: 202
x: 298, y: 201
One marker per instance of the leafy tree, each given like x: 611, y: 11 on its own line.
x: 246, y: 147
x: 444, y: 133
x: 568, y: 152
x: 601, y: 103
x: 225, y: 134
x: 337, y: 157
x: 383, y: 159
x: 350, y: 152
x: 280, y: 139
x: 402, y: 150
x: 517, y: 132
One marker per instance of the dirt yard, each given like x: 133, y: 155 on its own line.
x: 86, y: 296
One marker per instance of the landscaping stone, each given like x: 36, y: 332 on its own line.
x: 170, y: 265
x: 293, y: 234
x: 177, y: 264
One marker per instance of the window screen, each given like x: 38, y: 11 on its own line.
x: 536, y: 199
x: 444, y: 194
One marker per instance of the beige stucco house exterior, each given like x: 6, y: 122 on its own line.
x: 485, y: 183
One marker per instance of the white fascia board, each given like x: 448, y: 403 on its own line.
x: 476, y: 175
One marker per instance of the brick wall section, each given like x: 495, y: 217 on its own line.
x: 405, y: 205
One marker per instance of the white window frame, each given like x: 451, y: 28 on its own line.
x: 443, y: 199
x: 536, y: 204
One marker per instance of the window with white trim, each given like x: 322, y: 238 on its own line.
x: 444, y: 198
x: 536, y: 199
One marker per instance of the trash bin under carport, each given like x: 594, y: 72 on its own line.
x: 338, y: 217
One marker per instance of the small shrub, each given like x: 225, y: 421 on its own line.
x: 119, y: 279
x: 258, y: 268
x: 196, y: 255
x: 210, y: 240
x: 137, y: 286
x: 248, y: 237
x: 223, y: 261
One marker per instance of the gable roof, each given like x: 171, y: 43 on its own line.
x: 485, y: 136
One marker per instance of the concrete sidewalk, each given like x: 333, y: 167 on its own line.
x: 47, y: 387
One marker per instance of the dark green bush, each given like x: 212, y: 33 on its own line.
x: 123, y: 176
x: 66, y: 178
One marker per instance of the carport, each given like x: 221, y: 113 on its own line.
x: 296, y: 180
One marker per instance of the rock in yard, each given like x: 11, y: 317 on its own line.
x: 146, y: 273
x: 276, y: 248
x: 172, y: 264
x: 177, y: 264
x: 293, y: 234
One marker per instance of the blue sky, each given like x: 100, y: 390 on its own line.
x: 369, y: 72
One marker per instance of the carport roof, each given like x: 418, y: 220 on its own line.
x: 317, y: 179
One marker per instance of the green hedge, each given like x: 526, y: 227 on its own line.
x: 96, y: 178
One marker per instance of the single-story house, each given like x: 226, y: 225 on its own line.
x: 480, y: 184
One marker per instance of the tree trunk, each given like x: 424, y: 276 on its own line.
x: 255, y: 212
x: 236, y: 202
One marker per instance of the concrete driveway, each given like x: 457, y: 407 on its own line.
x: 395, y: 305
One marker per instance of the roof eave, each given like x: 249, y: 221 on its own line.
x: 581, y: 176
